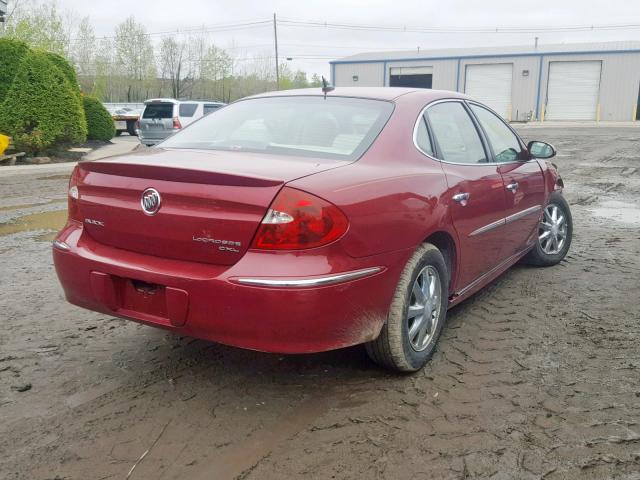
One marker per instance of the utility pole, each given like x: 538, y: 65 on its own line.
x: 275, y: 40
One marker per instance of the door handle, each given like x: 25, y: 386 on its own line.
x: 512, y: 187
x: 461, y: 198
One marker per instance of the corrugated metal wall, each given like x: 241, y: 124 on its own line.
x: 618, y: 89
x: 369, y: 74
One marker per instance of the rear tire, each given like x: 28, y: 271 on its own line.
x: 131, y: 128
x: 423, y: 284
x: 554, y: 235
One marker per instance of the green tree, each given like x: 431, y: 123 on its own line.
x: 173, y: 65
x: 99, y: 122
x: 134, y: 59
x: 83, y: 54
x: 316, y: 81
x: 103, y: 65
x: 216, y: 69
x: 11, y: 54
x: 40, y: 26
x: 42, y: 108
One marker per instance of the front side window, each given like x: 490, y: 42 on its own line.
x: 307, y: 126
x: 456, y: 135
x: 505, y: 144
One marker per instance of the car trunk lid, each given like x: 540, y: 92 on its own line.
x: 211, y: 201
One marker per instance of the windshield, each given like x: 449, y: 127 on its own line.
x: 335, y: 127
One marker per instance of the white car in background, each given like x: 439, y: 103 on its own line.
x: 162, y: 117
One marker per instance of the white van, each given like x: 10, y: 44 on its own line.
x: 163, y: 116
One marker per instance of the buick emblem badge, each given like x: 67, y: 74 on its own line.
x: 150, y: 201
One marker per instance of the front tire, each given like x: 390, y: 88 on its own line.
x: 555, y: 232
x: 417, y: 313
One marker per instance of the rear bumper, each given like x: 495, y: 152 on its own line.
x: 150, y: 141
x: 320, y: 301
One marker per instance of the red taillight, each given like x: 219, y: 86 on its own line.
x: 137, y: 125
x: 176, y: 123
x: 74, y: 196
x: 298, y: 220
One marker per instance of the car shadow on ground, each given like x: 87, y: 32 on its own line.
x: 168, y: 351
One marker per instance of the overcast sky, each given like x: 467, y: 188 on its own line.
x: 300, y: 42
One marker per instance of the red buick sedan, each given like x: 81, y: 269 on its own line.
x: 300, y: 221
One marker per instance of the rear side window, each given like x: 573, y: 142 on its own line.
x: 305, y: 126
x: 422, y: 137
x: 456, y: 135
x: 188, y: 109
x: 505, y: 144
x: 211, y: 108
x: 158, y: 110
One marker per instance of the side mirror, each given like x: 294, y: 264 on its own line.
x: 541, y: 149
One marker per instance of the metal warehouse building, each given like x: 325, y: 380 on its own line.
x: 551, y: 82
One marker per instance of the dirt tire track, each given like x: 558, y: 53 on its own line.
x: 535, y: 377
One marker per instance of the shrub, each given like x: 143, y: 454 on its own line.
x: 99, y: 122
x: 42, y: 108
x: 11, y: 54
x: 66, y: 68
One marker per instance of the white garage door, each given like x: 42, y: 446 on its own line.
x: 573, y: 90
x: 491, y: 85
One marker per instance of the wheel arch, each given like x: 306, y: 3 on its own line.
x: 446, y: 243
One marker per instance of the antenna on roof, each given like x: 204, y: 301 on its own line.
x: 326, y: 87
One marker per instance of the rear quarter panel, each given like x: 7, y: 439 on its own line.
x: 392, y: 195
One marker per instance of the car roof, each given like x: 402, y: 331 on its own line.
x: 377, y: 93
x: 208, y: 102
x: 161, y: 100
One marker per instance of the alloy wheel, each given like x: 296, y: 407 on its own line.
x: 552, y: 232
x: 423, y: 313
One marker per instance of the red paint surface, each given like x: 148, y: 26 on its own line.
x: 150, y: 269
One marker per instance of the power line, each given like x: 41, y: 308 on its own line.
x: 294, y: 23
x: 417, y: 29
x: 191, y: 30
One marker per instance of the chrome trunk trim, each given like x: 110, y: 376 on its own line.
x: 61, y: 246
x: 309, y: 282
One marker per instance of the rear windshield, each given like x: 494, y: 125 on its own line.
x: 158, y: 110
x: 336, y: 127
x: 188, y: 109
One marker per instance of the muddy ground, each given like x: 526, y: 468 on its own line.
x: 536, y: 377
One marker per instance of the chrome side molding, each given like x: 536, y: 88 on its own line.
x: 486, y: 228
x: 523, y: 213
x: 509, y: 219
